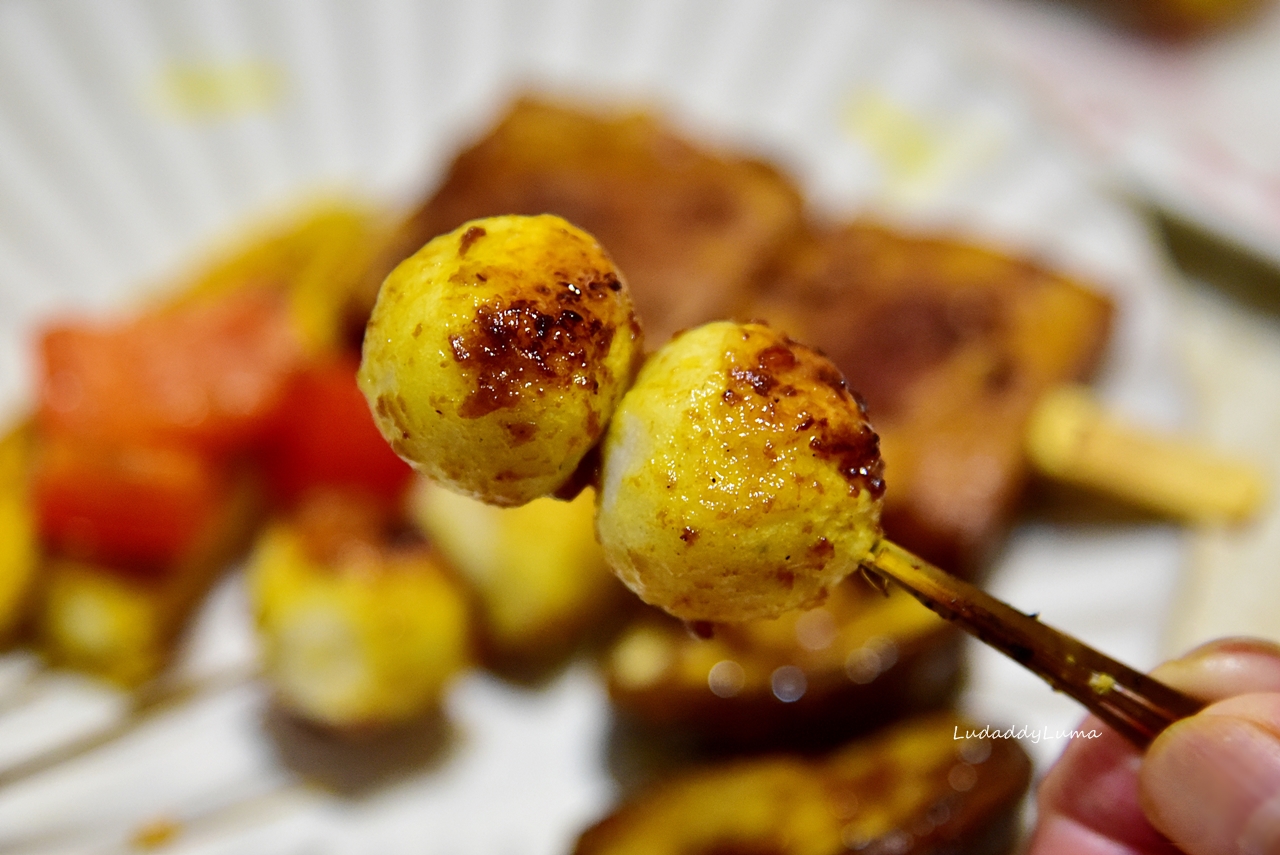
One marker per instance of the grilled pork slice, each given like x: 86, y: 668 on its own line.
x: 688, y: 227
x: 805, y: 679
x: 914, y: 788
x: 952, y: 346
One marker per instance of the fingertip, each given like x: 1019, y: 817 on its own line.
x: 1057, y: 835
x: 1225, y: 667
x: 1211, y: 782
x: 1090, y: 798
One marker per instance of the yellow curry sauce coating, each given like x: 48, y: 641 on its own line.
x: 740, y: 478
x: 496, y: 354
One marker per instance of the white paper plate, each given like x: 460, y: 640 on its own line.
x: 109, y: 181
x: 1189, y: 127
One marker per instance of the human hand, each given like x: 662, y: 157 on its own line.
x: 1209, y: 785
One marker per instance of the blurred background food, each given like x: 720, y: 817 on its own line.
x: 951, y: 346
x: 913, y: 787
x: 804, y: 680
x: 688, y: 226
x: 358, y: 631
x: 1175, y: 19
x: 292, y: 642
x: 538, y: 574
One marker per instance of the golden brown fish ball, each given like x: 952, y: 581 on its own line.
x: 497, y: 353
x: 740, y: 478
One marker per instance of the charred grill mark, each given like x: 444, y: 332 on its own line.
x: 469, y: 237
x: 759, y: 381
x: 776, y: 358
x: 856, y: 454
x: 601, y: 287
x: 593, y: 285
x: 524, y: 346
x: 828, y: 376
x: 763, y: 376
x: 393, y: 409
x: 849, y: 443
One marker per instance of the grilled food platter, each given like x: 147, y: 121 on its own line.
x: 347, y: 688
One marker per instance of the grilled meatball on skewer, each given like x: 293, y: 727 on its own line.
x: 496, y: 354
x: 740, y: 478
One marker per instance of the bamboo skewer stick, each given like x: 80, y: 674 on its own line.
x: 1137, y: 706
x: 1071, y: 438
x: 147, y: 703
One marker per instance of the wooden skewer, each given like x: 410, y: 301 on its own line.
x: 147, y: 703
x: 1071, y: 438
x: 1137, y: 706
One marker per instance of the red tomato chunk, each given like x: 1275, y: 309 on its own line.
x: 134, y: 507
x: 324, y: 436
x: 207, y: 373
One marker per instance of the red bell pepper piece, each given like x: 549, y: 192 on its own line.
x: 137, y: 508
x: 206, y: 373
x: 325, y: 437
